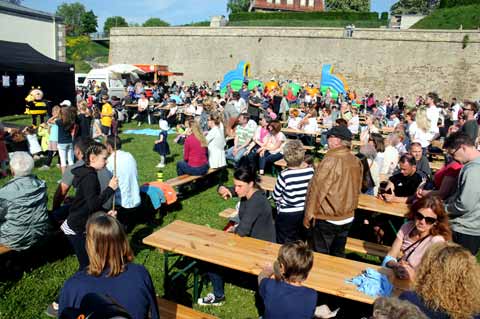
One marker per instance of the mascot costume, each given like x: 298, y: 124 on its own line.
x: 36, y: 105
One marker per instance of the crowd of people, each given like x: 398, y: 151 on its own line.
x: 315, y: 202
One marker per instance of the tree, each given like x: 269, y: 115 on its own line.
x: 348, y: 5
x: 413, y: 7
x: 88, y: 22
x: 114, y: 22
x: 155, y: 22
x: 71, y: 14
x: 236, y: 6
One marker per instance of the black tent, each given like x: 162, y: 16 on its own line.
x: 55, y: 79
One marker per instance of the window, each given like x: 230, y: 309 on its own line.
x: 290, y: 2
x: 302, y: 3
x: 311, y: 3
x: 270, y: 1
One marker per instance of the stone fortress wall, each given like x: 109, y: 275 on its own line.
x: 404, y: 62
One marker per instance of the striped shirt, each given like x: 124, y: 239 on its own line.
x: 291, y: 189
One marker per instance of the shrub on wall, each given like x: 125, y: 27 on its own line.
x: 330, y: 15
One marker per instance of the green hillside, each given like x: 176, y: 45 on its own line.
x: 451, y: 18
x: 81, y: 50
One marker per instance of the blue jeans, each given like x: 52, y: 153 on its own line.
x: 289, y: 227
x: 217, y: 284
x: 236, y: 158
x: 183, y: 168
x: 268, y: 158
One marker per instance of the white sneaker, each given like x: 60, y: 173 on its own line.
x: 44, y: 168
x: 211, y: 300
x: 160, y: 165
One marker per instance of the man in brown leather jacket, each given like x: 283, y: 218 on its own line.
x: 333, y: 194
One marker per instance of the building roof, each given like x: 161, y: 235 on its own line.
x: 14, y: 9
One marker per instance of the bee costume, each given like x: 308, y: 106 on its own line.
x: 36, y: 106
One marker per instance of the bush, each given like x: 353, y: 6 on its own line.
x: 384, y: 16
x: 330, y: 15
x: 451, y: 18
x: 456, y: 3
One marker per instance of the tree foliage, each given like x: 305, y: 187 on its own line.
x: 115, y: 21
x: 72, y: 15
x: 88, y: 22
x: 155, y: 22
x: 414, y: 6
x: 348, y: 5
x: 236, y: 6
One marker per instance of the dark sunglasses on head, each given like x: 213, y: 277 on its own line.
x: 428, y: 220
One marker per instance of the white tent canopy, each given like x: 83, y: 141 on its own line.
x: 124, y: 68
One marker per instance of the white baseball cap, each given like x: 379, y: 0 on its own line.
x: 66, y: 103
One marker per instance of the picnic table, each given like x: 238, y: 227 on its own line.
x: 249, y: 255
x: 294, y: 131
x: 365, y: 202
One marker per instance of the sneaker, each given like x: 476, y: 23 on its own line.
x: 211, y: 300
x: 160, y: 165
x: 44, y: 168
x: 139, y: 124
x: 52, y: 310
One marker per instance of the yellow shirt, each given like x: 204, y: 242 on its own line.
x: 107, y: 114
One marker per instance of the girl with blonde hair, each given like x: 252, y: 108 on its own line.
x: 447, y: 284
x: 421, y: 131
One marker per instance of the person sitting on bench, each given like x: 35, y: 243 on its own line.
x: 256, y: 221
x: 195, y: 161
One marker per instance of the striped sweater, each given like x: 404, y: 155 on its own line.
x: 291, y: 189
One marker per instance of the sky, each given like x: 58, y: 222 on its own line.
x: 175, y: 12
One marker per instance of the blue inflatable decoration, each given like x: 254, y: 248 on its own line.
x: 336, y: 82
x: 237, y: 76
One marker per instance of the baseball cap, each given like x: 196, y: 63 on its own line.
x: 66, y: 103
x: 341, y: 132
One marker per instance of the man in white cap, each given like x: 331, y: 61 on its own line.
x: 66, y: 103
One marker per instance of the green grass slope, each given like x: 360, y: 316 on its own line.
x: 308, y: 23
x: 81, y: 49
x: 451, y: 18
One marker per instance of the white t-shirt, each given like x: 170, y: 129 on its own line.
x: 354, y: 124
x: 455, y: 111
x: 311, y: 126
x: 433, y: 113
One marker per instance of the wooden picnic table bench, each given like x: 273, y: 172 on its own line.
x: 171, y: 310
x: 353, y: 244
x: 249, y: 255
x: 365, y: 202
x: 288, y: 130
x: 185, y: 179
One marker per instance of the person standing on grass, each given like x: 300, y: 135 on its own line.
x: 332, y: 195
x: 88, y: 198
x: 290, y: 192
x: 106, y: 115
x: 65, y: 124
x: 464, y: 206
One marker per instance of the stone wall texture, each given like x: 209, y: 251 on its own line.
x: 395, y: 62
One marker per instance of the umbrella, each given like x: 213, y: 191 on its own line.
x: 125, y: 68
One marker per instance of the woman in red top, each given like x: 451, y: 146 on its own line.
x: 445, y: 180
x: 195, y: 159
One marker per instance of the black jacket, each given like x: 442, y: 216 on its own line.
x: 88, y: 198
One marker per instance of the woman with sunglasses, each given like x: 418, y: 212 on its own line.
x: 428, y: 224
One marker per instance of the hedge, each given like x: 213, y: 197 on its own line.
x: 456, y: 3
x: 330, y: 15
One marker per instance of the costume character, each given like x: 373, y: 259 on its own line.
x: 36, y: 105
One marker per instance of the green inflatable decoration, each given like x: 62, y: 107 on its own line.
x: 334, y: 93
x: 295, y: 88
x: 255, y: 83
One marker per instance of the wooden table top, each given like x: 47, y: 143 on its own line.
x: 249, y: 255
x: 374, y: 204
x: 296, y: 131
x: 365, y: 202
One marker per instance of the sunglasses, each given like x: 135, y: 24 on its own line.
x: 465, y: 109
x: 428, y: 220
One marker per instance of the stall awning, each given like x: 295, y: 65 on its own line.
x: 168, y: 73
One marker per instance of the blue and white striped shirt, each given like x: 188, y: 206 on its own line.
x: 291, y: 189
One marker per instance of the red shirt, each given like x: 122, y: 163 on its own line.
x: 193, y: 152
x: 452, y: 169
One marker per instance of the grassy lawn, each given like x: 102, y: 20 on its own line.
x: 27, y: 292
x: 451, y: 18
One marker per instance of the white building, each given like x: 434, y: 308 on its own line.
x: 43, y: 31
